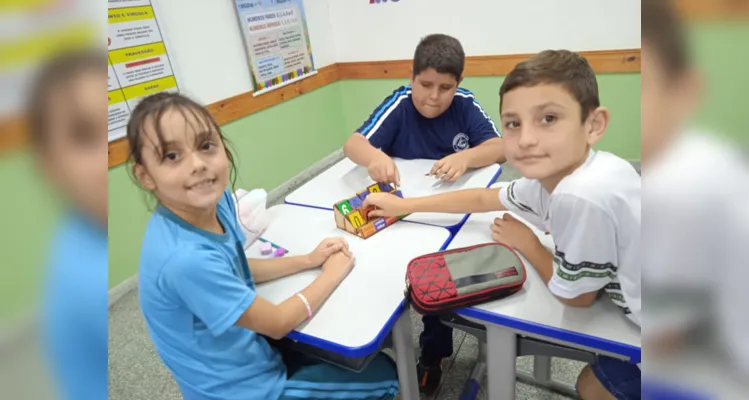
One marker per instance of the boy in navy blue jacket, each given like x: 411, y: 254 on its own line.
x: 432, y: 118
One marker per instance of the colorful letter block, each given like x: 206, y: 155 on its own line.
x: 355, y: 202
x: 344, y: 207
x: 351, y: 216
x: 356, y: 218
x: 368, y: 230
x: 363, y: 194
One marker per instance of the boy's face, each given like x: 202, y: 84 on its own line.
x: 667, y: 101
x: 543, y: 133
x: 432, y: 92
x: 74, y: 154
x: 193, y: 171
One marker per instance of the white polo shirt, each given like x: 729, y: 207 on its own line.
x: 594, y: 217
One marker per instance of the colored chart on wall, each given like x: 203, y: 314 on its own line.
x: 138, y: 60
x: 277, y: 42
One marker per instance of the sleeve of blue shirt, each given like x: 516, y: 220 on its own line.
x: 228, y: 205
x: 481, y: 127
x: 382, y: 126
x: 203, y: 279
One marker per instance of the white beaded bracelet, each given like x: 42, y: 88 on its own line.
x: 306, y: 303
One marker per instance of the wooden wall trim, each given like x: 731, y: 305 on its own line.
x: 712, y: 10
x: 603, y: 62
x: 12, y: 132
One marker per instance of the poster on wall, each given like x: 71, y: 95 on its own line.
x: 277, y: 42
x: 31, y: 34
x: 139, y: 63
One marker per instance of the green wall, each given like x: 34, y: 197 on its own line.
x: 620, y: 93
x: 28, y: 219
x: 721, y: 52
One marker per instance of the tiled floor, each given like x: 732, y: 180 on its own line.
x: 136, y: 372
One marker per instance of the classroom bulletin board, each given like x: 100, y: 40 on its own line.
x: 139, y: 62
x: 277, y: 42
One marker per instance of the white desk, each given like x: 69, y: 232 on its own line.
x: 344, y: 179
x: 358, y: 316
x: 535, y: 312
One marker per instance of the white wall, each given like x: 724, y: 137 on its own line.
x: 388, y: 31
x: 207, y: 51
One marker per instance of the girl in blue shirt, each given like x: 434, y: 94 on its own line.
x: 197, y: 289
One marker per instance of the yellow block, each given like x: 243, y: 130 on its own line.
x: 356, y: 219
x: 119, y: 15
x: 136, y: 53
x: 374, y: 188
x: 151, y: 87
x: 116, y: 96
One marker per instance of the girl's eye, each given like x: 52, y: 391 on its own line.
x: 208, y: 145
x: 548, y: 119
x: 171, y: 156
x: 512, y: 125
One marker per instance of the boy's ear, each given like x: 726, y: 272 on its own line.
x: 142, y: 175
x: 598, y: 121
x: 460, y: 80
x: 411, y: 76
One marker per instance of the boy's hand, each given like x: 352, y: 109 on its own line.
x: 386, y: 205
x: 338, y: 265
x: 451, y: 167
x: 327, y: 248
x: 383, y: 169
x: 508, y: 230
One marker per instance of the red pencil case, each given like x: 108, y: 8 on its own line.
x: 451, y: 279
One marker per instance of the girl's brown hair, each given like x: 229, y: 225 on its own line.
x: 152, y: 109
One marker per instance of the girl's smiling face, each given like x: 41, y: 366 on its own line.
x: 184, y: 161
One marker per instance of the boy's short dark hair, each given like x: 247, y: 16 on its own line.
x: 442, y: 52
x: 54, y: 74
x: 662, y: 29
x: 563, y: 67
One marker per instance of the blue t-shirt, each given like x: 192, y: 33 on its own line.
x: 193, y: 286
x: 398, y: 129
x: 75, y: 309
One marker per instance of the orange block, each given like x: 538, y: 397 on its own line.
x: 368, y: 230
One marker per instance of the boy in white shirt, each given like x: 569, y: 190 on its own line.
x: 696, y: 219
x: 588, y: 200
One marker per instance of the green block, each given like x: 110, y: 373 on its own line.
x: 344, y: 207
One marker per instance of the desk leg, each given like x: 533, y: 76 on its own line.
x: 405, y: 357
x: 502, y: 352
x: 542, y: 369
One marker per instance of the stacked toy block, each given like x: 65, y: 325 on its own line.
x: 351, y: 216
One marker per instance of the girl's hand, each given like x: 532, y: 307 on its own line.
x: 325, y: 249
x: 338, y: 266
